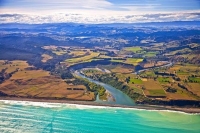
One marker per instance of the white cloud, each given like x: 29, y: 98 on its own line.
x: 80, y: 18
x: 57, y: 6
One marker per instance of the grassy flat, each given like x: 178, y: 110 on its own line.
x: 83, y: 59
x: 194, y: 79
x: 133, y: 49
x: 150, y: 54
x: 133, y: 61
x: 163, y: 79
x: 136, y: 81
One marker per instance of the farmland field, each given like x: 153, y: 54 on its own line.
x: 133, y: 61
x: 46, y: 57
x: 133, y: 49
x: 136, y: 81
x: 114, y: 60
x: 121, y: 69
x: 182, y: 51
x: 76, y: 53
x: 150, y: 54
x: 194, y: 79
x: 82, y: 59
x: 195, y: 88
x: 163, y: 79
x: 39, y: 84
x: 30, y: 74
x: 180, y: 94
x: 153, y: 88
x: 59, y: 52
x: 13, y: 65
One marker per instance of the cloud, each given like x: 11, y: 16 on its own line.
x: 97, y: 6
x: 52, y: 6
x: 141, y: 7
x: 79, y: 18
x: 9, y: 15
x: 98, y: 11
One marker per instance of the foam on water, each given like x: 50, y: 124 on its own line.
x: 30, y: 103
x: 80, y: 106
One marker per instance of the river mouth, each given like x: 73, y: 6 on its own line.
x: 119, y: 98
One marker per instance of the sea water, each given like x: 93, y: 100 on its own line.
x: 36, y: 117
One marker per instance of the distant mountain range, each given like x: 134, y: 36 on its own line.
x: 145, y: 24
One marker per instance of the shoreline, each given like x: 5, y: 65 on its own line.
x: 188, y: 110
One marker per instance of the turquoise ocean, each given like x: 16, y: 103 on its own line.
x: 35, y: 117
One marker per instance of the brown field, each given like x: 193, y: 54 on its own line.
x: 40, y: 84
x: 144, y: 79
x: 45, y: 87
x: 195, y: 88
x: 121, y: 69
x: 182, y: 51
x: 175, y: 68
x: 86, y: 58
x: 77, y: 53
x: 51, y: 47
x: 30, y: 74
x: 189, y: 56
x: 184, y: 70
x: 184, y: 67
x: 46, y: 57
x: 153, y: 88
x: 181, y: 94
x: 13, y: 65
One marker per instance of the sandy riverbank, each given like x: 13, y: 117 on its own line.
x: 145, y: 107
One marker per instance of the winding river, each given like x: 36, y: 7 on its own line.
x: 119, y: 97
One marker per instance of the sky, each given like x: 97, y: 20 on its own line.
x: 98, y: 11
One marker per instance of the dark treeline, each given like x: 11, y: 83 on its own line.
x: 183, y: 103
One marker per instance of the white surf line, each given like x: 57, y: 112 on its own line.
x: 82, y: 106
x: 32, y: 103
x: 27, y: 119
x: 15, y: 114
x: 16, y: 110
x: 8, y: 129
